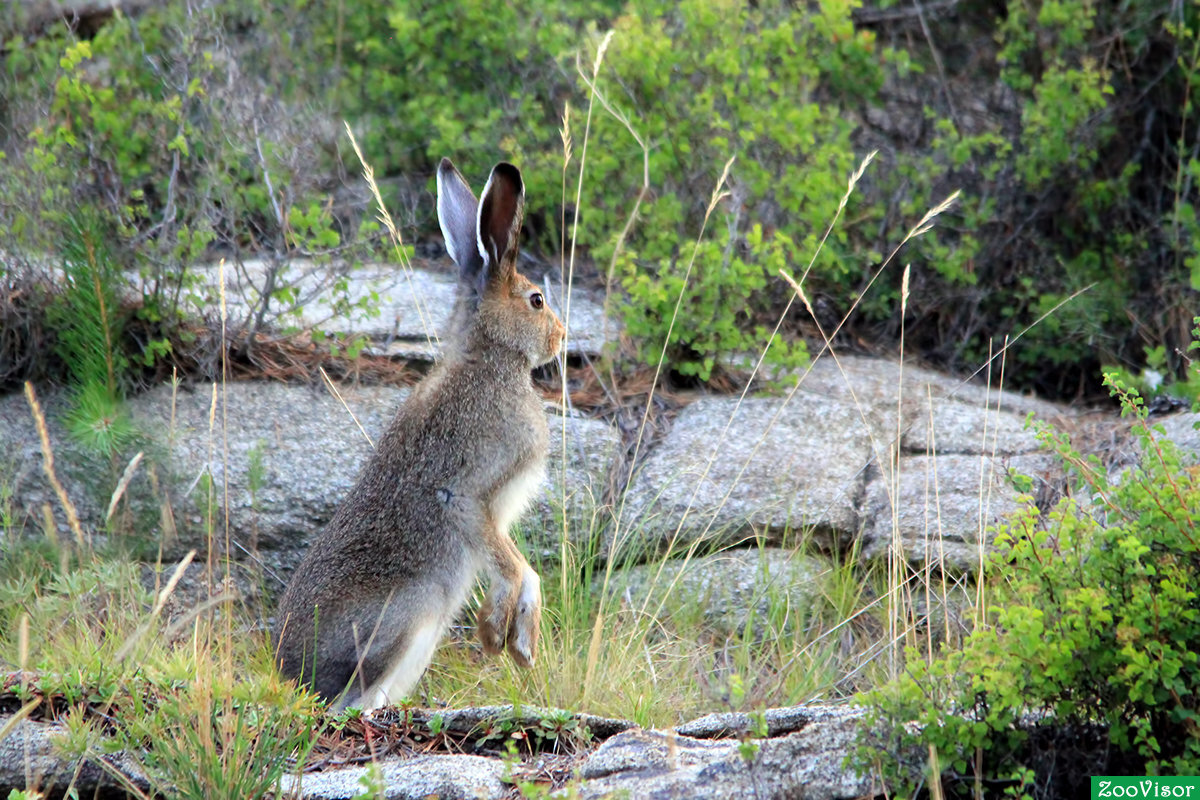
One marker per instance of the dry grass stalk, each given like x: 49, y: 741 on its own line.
x: 48, y: 467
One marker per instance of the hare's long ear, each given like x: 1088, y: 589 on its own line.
x: 457, y: 215
x: 501, y: 208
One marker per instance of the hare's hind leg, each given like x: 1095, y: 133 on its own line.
x: 409, y: 631
x: 408, y: 663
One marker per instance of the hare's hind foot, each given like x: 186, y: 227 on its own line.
x: 510, y: 617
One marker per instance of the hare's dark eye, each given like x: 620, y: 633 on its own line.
x: 536, y: 301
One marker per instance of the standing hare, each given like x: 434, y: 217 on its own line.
x: 432, y: 508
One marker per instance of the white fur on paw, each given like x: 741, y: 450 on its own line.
x: 528, y: 614
x: 531, y: 591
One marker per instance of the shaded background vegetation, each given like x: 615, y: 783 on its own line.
x: 189, y: 131
x: 145, y: 146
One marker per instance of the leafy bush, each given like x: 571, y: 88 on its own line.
x: 474, y: 80
x: 1157, y: 378
x: 1074, y: 200
x: 204, y: 131
x: 151, y: 130
x: 1096, y: 623
x: 1055, y: 198
x: 703, y: 82
x: 108, y: 130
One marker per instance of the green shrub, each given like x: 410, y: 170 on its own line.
x: 205, y: 131
x: 151, y: 128
x: 1075, y: 209
x: 704, y: 82
x: 477, y: 81
x: 1095, y: 623
x: 114, y: 133
x: 1049, y: 207
x: 1157, y: 378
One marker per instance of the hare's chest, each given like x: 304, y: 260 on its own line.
x: 514, y: 495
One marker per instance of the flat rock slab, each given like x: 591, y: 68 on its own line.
x: 289, y: 454
x: 21, y: 463
x: 927, y: 412
x: 875, y: 381
x: 778, y: 722
x: 944, y: 505
x: 413, y: 304
x: 729, y: 589
x: 728, y: 471
x: 475, y: 718
x: 950, y: 427
x: 766, y: 469
x: 447, y: 777
x: 665, y: 765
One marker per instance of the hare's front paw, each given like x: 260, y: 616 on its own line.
x: 510, y: 617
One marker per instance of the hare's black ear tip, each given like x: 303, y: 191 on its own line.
x: 509, y: 172
x: 446, y: 165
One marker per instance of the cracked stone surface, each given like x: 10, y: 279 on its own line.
x: 779, y: 721
x: 804, y: 762
x: 878, y: 381
x: 766, y: 471
x: 951, y: 427
x: 30, y: 753
x: 727, y: 472
x: 448, y: 777
x: 728, y: 589
x: 944, y: 505
x: 814, y: 460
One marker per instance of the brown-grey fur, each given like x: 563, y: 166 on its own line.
x: 426, y: 512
